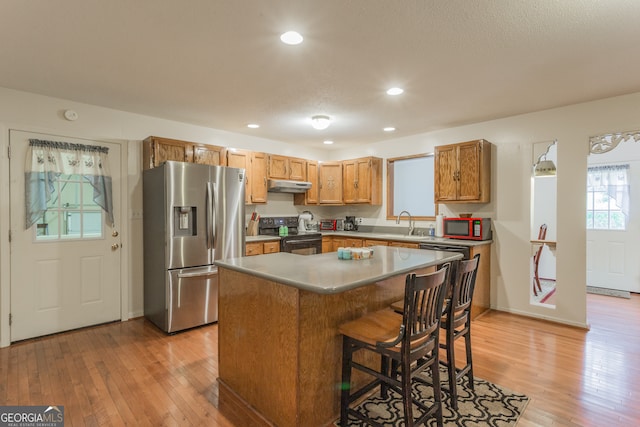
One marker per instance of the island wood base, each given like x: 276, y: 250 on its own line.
x: 279, y: 347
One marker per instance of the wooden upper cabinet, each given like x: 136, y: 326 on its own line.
x: 330, y: 183
x: 256, y: 176
x: 362, y: 180
x: 209, y: 155
x: 463, y: 172
x: 297, y: 169
x: 242, y: 159
x: 258, y: 182
x: 283, y: 167
x: 157, y: 150
x: 309, y: 197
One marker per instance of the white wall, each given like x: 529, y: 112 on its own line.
x: 509, y: 208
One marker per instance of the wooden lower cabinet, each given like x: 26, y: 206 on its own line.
x: 259, y: 248
x: 327, y: 244
x: 353, y: 243
x: 332, y: 243
x: 369, y: 242
x: 405, y: 245
x: 271, y: 247
x: 337, y: 242
x: 345, y: 242
x: 482, y: 292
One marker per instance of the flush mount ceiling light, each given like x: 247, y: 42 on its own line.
x: 320, y: 122
x: 253, y: 125
x: 395, y: 91
x: 291, y: 37
x: 328, y: 142
x: 389, y: 129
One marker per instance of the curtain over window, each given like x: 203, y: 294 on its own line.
x: 611, y: 180
x: 47, y: 160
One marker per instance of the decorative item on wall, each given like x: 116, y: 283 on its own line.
x: 603, y: 143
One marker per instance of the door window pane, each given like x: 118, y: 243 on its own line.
x: 71, y: 213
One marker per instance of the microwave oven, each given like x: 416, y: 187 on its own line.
x: 467, y: 228
x: 331, y: 225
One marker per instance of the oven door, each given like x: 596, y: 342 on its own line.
x: 302, y: 246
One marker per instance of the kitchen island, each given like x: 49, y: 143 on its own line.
x: 279, y: 346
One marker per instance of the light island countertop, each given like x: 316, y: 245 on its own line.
x: 326, y: 274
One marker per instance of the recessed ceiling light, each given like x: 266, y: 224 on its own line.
x: 389, y: 129
x: 253, y: 125
x: 328, y: 142
x: 291, y: 37
x: 395, y: 91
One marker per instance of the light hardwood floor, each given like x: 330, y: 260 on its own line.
x: 130, y: 373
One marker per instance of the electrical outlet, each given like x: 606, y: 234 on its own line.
x: 359, y: 220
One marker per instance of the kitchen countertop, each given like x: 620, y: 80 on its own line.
x: 405, y: 238
x: 382, y: 236
x: 326, y: 274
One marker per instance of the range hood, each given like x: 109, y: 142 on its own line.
x: 286, y: 186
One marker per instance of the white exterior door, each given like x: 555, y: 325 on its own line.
x: 611, y: 260
x: 612, y: 255
x: 65, y: 270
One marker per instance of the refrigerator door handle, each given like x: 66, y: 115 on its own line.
x: 210, y: 215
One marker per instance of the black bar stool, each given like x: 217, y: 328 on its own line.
x: 457, y: 324
x: 410, y: 341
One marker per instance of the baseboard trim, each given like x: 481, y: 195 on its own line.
x: 545, y: 318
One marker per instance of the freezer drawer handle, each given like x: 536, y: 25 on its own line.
x: 201, y: 274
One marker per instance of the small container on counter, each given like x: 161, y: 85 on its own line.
x: 344, y: 253
x: 355, y: 253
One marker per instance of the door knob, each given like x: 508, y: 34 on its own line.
x: 115, y: 246
x: 115, y: 233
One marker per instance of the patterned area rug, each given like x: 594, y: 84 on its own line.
x: 608, y: 292
x: 488, y: 405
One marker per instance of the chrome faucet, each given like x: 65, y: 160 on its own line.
x: 410, y: 221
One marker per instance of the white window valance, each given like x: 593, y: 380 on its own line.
x: 47, y: 160
x: 613, y: 179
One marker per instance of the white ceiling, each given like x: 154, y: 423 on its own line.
x: 220, y: 64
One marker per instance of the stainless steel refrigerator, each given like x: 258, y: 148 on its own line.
x: 193, y: 215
